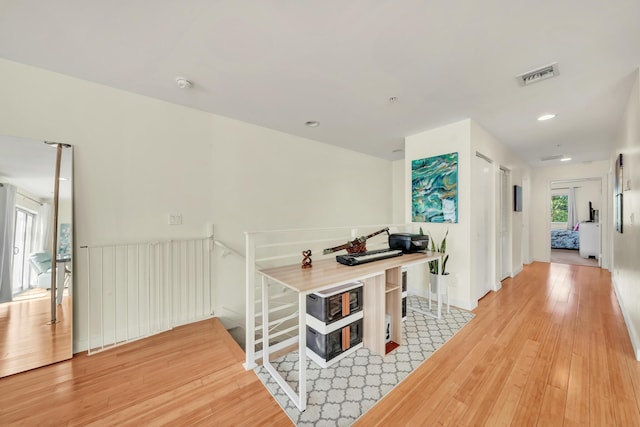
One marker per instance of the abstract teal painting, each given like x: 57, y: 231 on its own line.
x: 434, y: 189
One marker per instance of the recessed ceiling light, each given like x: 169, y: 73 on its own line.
x: 393, y: 100
x: 312, y: 124
x: 546, y: 117
x: 565, y: 159
x: 548, y: 158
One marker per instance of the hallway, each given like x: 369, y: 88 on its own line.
x: 550, y: 348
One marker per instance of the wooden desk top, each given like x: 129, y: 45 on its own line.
x: 328, y: 272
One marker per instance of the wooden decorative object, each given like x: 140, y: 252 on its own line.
x: 357, y: 245
x: 306, y: 259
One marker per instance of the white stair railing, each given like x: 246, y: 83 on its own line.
x: 139, y: 289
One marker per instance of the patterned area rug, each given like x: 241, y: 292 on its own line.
x: 341, y: 393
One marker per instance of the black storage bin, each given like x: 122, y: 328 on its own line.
x: 404, y: 281
x: 404, y: 307
x: 330, y: 345
x: 328, y: 309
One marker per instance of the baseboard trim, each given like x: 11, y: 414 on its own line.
x: 456, y: 302
x: 515, y: 273
x: 633, y: 335
x: 80, y: 346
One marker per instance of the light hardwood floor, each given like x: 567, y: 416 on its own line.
x: 569, y: 256
x: 549, y: 349
x: 192, y: 375
x: 28, y: 340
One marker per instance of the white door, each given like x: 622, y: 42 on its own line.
x: 482, y: 217
x: 505, y: 217
x: 526, y: 191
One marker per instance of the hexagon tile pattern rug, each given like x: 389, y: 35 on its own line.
x: 341, y: 393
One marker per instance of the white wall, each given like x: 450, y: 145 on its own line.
x: 137, y: 159
x: 541, y: 203
x: 447, y: 139
x: 626, y: 246
x: 398, y: 192
x: 465, y: 137
x: 485, y: 143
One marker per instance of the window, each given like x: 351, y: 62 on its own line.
x: 559, y: 208
x: 21, y: 250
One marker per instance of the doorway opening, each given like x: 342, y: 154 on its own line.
x: 575, y: 228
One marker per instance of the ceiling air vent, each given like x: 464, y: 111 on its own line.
x: 535, y: 76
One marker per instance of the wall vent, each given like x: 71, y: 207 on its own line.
x: 538, y: 75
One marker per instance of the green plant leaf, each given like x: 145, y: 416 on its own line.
x: 444, y: 263
x: 443, y: 245
x: 441, y: 248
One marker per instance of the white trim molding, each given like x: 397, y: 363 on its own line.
x: 633, y: 334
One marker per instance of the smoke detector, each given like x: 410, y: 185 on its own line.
x: 538, y: 75
x: 183, y: 83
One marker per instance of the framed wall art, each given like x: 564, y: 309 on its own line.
x: 434, y: 189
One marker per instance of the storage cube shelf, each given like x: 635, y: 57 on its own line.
x: 325, y: 349
x: 332, y: 304
x: 334, y: 323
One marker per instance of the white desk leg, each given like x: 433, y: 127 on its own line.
x: 265, y: 322
x: 299, y: 399
x: 302, y: 349
x: 439, y: 296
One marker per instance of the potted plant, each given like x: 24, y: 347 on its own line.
x: 438, y: 276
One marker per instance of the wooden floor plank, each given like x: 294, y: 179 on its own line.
x: 550, y: 348
x: 507, y: 401
x: 576, y: 411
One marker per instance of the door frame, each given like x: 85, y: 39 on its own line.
x: 493, y: 210
x: 506, y: 197
x: 605, y: 209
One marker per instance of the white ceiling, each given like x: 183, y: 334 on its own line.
x: 281, y: 63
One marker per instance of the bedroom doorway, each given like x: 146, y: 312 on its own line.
x: 576, y: 232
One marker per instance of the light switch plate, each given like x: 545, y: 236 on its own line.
x: 175, y: 219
